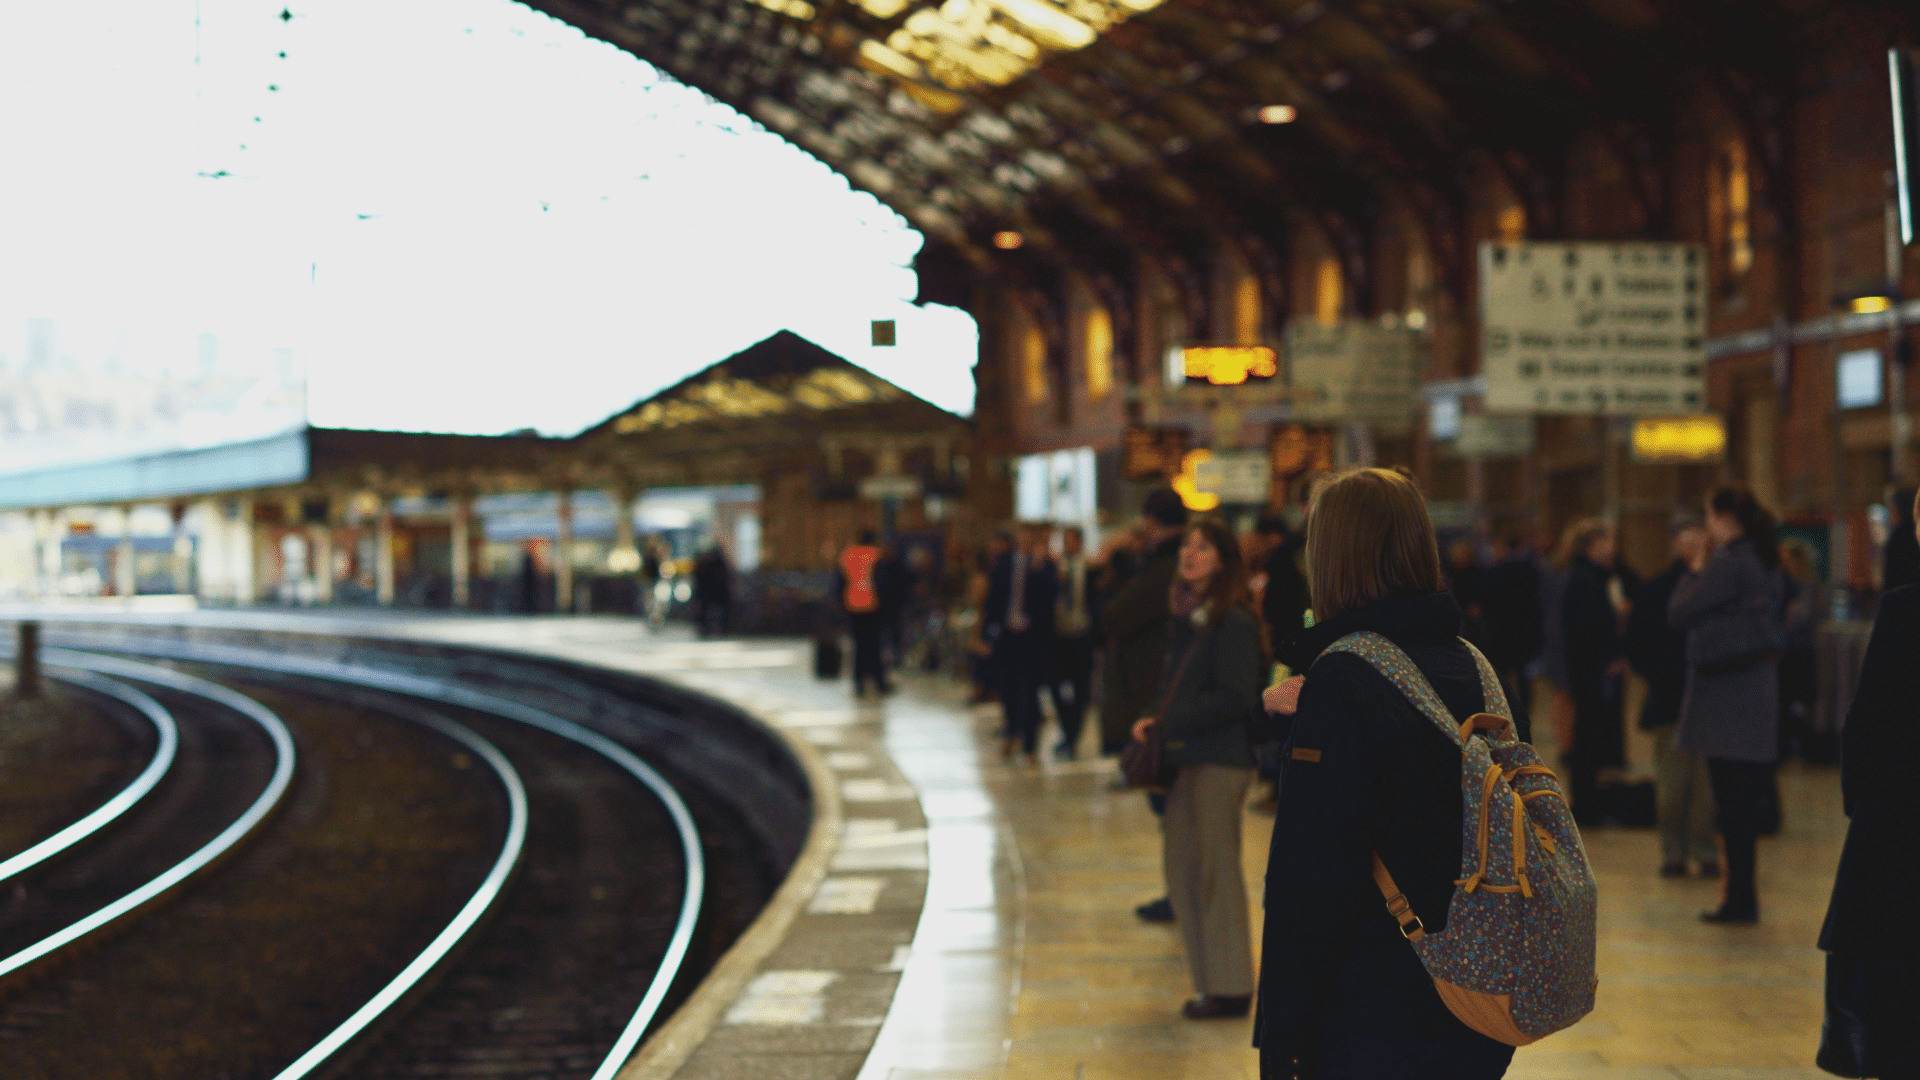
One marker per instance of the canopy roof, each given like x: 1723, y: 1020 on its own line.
x: 1098, y: 127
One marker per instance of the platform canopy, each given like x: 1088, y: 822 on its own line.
x: 1095, y: 128
x: 769, y: 407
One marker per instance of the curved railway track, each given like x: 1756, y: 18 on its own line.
x: 563, y: 954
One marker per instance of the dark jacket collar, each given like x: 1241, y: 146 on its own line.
x: 1403, y: 622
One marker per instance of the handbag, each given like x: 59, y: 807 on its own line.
x: 1742, y: 637
x: 1143, y: 762
x: 1844, y: 1047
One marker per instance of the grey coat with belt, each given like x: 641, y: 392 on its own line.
x: 1735, y: 715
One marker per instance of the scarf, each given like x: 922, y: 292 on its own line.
x: 1187, y: 603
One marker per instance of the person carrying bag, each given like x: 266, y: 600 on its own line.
x: 1211, y: 692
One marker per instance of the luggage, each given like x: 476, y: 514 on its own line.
x: 826, y: 656
x: 1516, y: 961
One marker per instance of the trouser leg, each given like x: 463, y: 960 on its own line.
x: 1020, y: 695
x: 1736, y: 790
x: 1070, y: 684
x: 1672, y: 802
x: 1700, y: 812
x: 866, y: 650
x: 1202, y: 861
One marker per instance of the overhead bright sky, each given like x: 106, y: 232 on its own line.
x: 463, y: 215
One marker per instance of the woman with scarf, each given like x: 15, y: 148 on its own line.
x: 1216, y: 668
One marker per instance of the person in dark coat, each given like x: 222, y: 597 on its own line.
x: 1596, y: 661
x: 1134, y: 619
x: 1731, y: 712
x: 1018, y: 620
x: 1683, y: 794
x: 1215, y: 668
x: 1900, y: 563
x: 1867, y: 922
x: 1510, y: 601
x: 712, y: 592
x: 1342, y: 993
x: 1284, y: 603
x: 1070, y: 681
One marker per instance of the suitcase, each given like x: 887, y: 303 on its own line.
x: 826, y: 657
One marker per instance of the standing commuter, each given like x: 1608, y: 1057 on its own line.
x: 1135, y: 619
x: 1900, y: 563
x: 1511, y: 602
x: 986, y: 678
x: 1215, y: 668
x: 1800, y: 664
x: 1870, y: 945
x: 1071, y: 681
x: 1683, y: 794
x: 1595, y: 662
x: 894, y: 581
x: 1342, y: 993
x: 712, y: 592
x: 1019, y: 623
x: 1730, y: 604
x: 859, y: 590
x: 1283, y: 603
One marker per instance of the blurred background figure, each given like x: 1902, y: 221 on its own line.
x: 893, y: 582
x: 1283, y: 598
x: 1872, y: 952
x: 1732, y: 605
x: 712, y: 592
x: 1900, y: 563
x: 857, y: 584
x: 1018, y: 621
x: 1799, y: 664
x: 1592, y: 608
x: 980, y: 667
x: 1135, y: 616
x: 1683, y: 793
x: 1070, y: 683
x: 652, y: 607
x: 1510, y: 606
x: 1467, y: 582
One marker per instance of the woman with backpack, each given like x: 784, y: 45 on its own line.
x: 1732, y: 606
x: 1371, y: 834
x: 1215, y: 669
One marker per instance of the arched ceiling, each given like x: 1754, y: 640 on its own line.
x: 1097, y: 128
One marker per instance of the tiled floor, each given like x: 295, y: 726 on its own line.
x: 1028, y: 963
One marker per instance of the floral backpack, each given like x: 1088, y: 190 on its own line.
x: 1516, y: 961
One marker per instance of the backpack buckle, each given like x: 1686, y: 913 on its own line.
x: 1401, y: 909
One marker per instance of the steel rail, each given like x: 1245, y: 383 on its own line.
x: 431, y: 689
x: 469, y: 914
x: 123, y: 800
x: 240, y: 828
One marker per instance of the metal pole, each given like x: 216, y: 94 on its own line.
x: 26, y: 662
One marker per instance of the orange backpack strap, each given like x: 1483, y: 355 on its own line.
x: 1398, y: 905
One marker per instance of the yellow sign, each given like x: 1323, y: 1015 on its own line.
x: 1679, y: 438
x: 1229, y: 365
x: 1187, y: 487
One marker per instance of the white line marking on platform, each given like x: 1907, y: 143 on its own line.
x: 783, y: 997
x: 846, y: 896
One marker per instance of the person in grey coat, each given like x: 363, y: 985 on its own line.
x: 1730, y: 603
x: 1216, y: 667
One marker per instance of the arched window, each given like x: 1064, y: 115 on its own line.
x: 1033, y: 361
x: 1328, y: 292
x: 1735, y: 191
x: 1099, y: 347
x: 1246, y: 311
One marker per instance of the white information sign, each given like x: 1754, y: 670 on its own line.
x: 1494, y: 436
x: 1597, y: 328
x: 1353, y: 370
x: 1237, y: 476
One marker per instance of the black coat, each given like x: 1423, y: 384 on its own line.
x: 1221, y: 670
x: 1879, y: 751
x: 1042, y: 588
x: 1134, y: 618
x: 1510, y: 604
x: 1657, y: 650
x: 1364, y: 772
x: 1591, y: 629
x: 1285, y: 600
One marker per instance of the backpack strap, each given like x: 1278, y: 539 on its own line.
x: 1400, y: 670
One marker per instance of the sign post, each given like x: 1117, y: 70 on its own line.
x: 1600, y: 329
x: 1353, y: 371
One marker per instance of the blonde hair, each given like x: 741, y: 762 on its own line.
x: 1576, y: 537
x: 1369, y: 539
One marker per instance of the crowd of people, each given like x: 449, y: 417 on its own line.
x: 1195, y: 635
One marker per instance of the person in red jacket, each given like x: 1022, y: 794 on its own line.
x: 858, y: 588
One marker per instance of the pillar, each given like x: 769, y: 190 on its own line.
x: 563, y: 555
x: 47, y: 525
x: 244, y: 568
x: 26, y: 662
x: 321, y: 538
x: 209, y: 555
x: 383, y: 554
x: 462, y: 551
x: 181, y: 566
x: 125, y: 582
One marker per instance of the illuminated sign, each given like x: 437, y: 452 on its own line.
x: 1153, y: 453
x: 1679, y: 438
x: 1229, y: 365
x: 1187, y: 484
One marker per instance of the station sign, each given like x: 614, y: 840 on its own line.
x: 1679, y: 438
x: 1483, y: 436
x: 1153, y: 453
x: 1600, y: 329
x: 1353, y: 370
x: 882, y: 488
x: 1236, y: 476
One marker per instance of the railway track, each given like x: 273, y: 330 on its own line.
x: 565, y: 951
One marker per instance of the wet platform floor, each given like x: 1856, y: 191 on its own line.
x: 1028, y: 962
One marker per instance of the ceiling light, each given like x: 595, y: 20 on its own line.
x: 1279, y: 114
x: 1871, y: 305
x: 1007, y: 241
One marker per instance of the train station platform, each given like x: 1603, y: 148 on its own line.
x: 972, y: 920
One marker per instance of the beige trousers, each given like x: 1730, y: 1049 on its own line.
x: 1204, y: 876
x: 1683, y: 800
